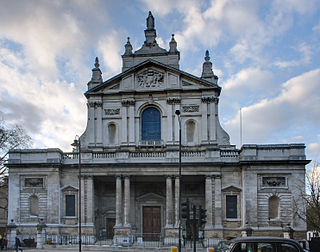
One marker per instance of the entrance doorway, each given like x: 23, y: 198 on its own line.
x: 110, y: 222
x: 151, y: 223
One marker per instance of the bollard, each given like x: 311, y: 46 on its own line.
x: 174, y: 249
x: 210, y: 249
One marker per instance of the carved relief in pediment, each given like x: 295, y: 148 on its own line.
x: 150, y: 78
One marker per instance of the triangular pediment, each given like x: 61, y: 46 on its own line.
x: 152, y: 75
x: 231, y: 188
x: 69, y: 188
x: 150, y: 196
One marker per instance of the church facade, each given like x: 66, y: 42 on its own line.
x: 130, y: 162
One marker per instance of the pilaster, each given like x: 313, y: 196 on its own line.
x: 169, y: 122
x: 89, y: 200
x: 98, y: 123
x: 204, y: 121
x: 131, y: 123
x: 91, y: 119
x: 213, y: 121
x: 173, y: 123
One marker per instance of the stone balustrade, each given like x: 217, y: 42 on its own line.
x: 166, y: 155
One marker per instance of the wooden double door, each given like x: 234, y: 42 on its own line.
x: 151, y: 223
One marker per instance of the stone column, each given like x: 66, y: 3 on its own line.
x: 177, y: 207
x: 91, y: 122
x: 204, y: 120
x: 11, y: 234
x: 126, y: 201
x: 217, y: 202
x: 89, y: 200
x: 118, y: 201
x: 99, y: 123
x: 209, y: 207
x: 169, y: 206
x: 41, y: 234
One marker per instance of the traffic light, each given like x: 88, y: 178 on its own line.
x: 202, y: 216
x: 185, y: 210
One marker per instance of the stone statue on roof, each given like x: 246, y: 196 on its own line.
x: 150, y: 21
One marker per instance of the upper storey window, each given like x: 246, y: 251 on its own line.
x: 151, y: 124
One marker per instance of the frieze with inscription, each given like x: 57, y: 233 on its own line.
x: 190, y: 108
x: 150, y: 79
x: 273, y: 181
x: 33, y: 182
x: 112, y: 111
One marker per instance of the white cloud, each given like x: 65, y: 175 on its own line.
x: 272, y: 118
x: 51, y: 32
x: 111, y: 47
x: 51, y: 112
x: 246, y: 87
x: 313, y: 150
x: 305, y: 51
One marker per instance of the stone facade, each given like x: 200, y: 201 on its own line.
x: 130, y: 161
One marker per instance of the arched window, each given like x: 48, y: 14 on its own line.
x: 151, y: 124
x: 34, y: 205
x: 190, y: 131
x: 112, y: 133
x: 274, y: 207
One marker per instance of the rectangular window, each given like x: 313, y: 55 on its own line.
x: 70, y: 205
x: 231, y: 206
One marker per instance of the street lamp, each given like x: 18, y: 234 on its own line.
x: 179, y: 120
x: 76, y: 143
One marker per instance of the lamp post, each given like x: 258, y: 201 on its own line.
x: 76, y: 143
x: 179, y: 120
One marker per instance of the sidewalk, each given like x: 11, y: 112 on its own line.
x: 104, y: 249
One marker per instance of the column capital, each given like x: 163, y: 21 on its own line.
x: 217, y: 176
x: 174, y: 100
x: 95, y: 104
x: 128, y: 102
x: 209, y: 99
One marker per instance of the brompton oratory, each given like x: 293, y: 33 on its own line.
x: 130, y: 161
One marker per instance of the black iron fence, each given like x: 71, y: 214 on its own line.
x: 69, y: 239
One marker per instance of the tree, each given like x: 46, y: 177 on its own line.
x: 310, y: 199
x: 313, y: 199
x: 11, y: 138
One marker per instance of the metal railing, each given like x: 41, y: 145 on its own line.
x: 69, y: 239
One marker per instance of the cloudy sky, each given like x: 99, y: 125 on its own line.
x: 266, y: 54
